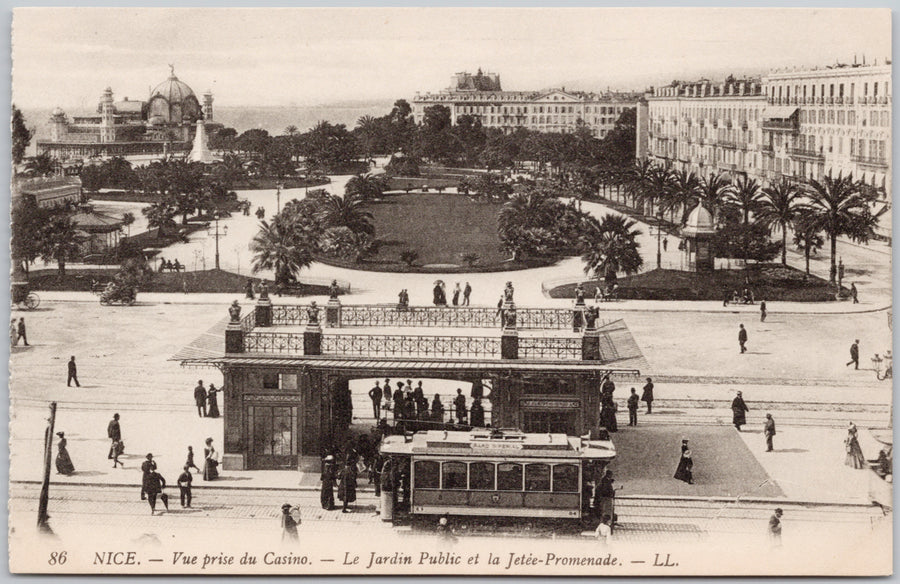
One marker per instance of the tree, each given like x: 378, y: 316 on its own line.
x: 368, y: 130
x: 342, y: 242
x: 127, y: 220
x: 160, y: 215
x: 365, y: 187
x: 282, y: 246
x: 685, y: 188
x: 712, y: 192
x: 742, y: 198
x: 329, y: 146
x: 806, y: 236
x: 409, y: 256
x: 27, y: 220
x: 92, y: 178
x: 527, y: 224
x: 40, y: 165
x: 841, y: 208
x: 734, y: 239
x: 778, y: 207
x: 290, y: 130
x: 610, y: 245
x: 657, y: 190
x: 471, y: 259
x: 59, y: 241
x: 347, y: 211
x: 21, y: 136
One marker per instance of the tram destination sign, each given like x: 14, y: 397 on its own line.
x: 551, y: 404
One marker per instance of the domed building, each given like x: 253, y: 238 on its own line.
x: 698, y: 232
x: 164, y: 124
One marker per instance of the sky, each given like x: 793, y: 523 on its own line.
x: 287, y: 56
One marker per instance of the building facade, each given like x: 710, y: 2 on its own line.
x: 797, y: 124
x: 555, y: 110
x: 162, y: 124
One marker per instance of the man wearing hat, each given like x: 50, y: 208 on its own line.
x: 147, y: 467
x: 153, y: 486
x: 327, y: 491
x: 738, y: 409
x: 184, y: 486
x: 769, y: 431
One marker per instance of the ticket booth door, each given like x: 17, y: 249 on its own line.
x: 272, y: 437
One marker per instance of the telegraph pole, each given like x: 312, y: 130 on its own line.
x: 48, y: 456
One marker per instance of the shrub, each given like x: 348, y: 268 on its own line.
x: 409, y: 256
x: 471, y: 259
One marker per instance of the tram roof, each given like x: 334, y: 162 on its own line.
x: 488, y: 443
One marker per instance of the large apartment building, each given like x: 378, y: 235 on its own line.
x: 798, y: 124
x: 555, y: 110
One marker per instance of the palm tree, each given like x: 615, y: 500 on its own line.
x: 657, y: 191
x: 346, y: 211
x: 531, y: 208
x: 635, y: 179
x: 610, y: 245
x: 365, y: 187
x: 40, y: 165
x: 713, y: 189
x: 368, y: 130
x: 743, y: 197
x: 127, y: 220
x: 290, y: 131
x: 778, y: 208
x: 841, y: 208
x: 806, y: 236
x: 685, y: 189
x: 281, y: 246
x: 160, y: 215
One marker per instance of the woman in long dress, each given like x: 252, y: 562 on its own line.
x: 347, y: 488
x: 13, y: 333
x: 210, y: 462
x: 212, y: 408
x: 685, y: 469
x: 64, y: 464
x: 855, y: 458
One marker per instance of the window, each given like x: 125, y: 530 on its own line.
x: 565, y: 478
x: 427, y: 474
x: 537, y: 477
x: 270, y: 381
x: 509, y: 476
x: 840, y: 117
x: 851, y: 118
x: 830, y: 116
x: 481, y: 476
x: 454, y: 475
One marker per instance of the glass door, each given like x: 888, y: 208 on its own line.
x: 273, y: 442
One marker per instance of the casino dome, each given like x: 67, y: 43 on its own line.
x: 173, y: 102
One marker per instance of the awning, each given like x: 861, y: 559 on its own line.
x: 783, y: 112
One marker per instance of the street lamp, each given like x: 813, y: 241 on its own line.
x: 278, y: 188
x: 217, y: 234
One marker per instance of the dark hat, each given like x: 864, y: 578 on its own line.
x: 285, y: 506
x: 60, y: 434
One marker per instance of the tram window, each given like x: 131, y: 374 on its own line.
x: 565, y: 478
x: 427, y: 474
x: 481, y: 476
x: 537, y: 477
x: 454, y: 475
x: 509, y: 476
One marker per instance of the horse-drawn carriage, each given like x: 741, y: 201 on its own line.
x: 23, y: 296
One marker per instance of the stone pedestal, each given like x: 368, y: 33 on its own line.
x: 509, y: 344
x: 590, y: 346
x: 333, y: 313
x: 312, y: 340
x: 233, y: 462
x: 234, y: 338
x: 263, y: 312
x: 578, y: 318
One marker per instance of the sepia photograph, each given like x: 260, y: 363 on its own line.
x: 451, y: 291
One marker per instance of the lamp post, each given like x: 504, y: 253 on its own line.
x: 217, y: 234
x: 278, y: 188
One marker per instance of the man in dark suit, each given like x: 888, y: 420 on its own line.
x: 854, y: 354
x: 184, y: 486
x: 154, y: 484
x: 73, y: 373
x: 769, y: 431
x: 147, y: 467
x: 200, y: 399
x: 633, y: 407
x: 114, y: 432
x: 375, y: 395
x: 742, y: 339
x: 459, y: 404
x: 21, y: 330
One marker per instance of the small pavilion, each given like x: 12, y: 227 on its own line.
x: 697, y: 234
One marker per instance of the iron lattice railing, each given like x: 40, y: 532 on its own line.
x: 289, y: 314
x: 372, y: 315
x: 248, y: 322
x: 410, y: 346
x: 261, y: 342
x: 550, y: 348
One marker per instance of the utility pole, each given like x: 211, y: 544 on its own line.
x: 217, y: 234
x: 48, y: 456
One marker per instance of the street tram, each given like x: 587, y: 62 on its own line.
x: 493, y: 472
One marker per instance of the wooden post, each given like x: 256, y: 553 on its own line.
x: 48, y: 456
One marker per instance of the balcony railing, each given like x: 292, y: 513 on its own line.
x: 803, y: 153
x: 373, y: 315
x: 410, y: 346
x: 870, y: 161
x: 780, y: 126
x: 550, y: 348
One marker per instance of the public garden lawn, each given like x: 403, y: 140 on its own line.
x: 199, y: 281
x: 441, y: 228
x: 767, y: 281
